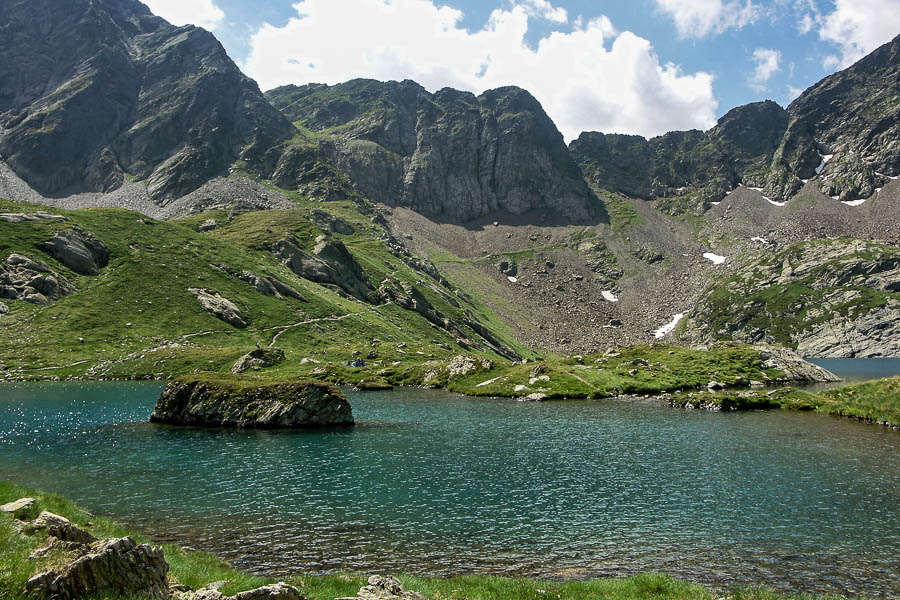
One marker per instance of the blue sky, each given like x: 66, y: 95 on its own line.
x: 629, y: 66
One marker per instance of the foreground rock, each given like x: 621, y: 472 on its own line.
x: 20, y: 508
x: 384, y: 588
x: 119, y: 567
x: 60, y: 528
x: 275, y: 591
x: 208, y: 403
x: 258, y: 359
x: 79, y: 250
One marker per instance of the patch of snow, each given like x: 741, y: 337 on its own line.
x: 835, y: 197
x: 805, y: 180
x: 681, y: 189
x: 755, y: 189
x: 883, y: 175
x: 773, y: 203
x: 853, y: 202
x: 877, y: 190
x: 668, y: 327
x: 609, y: 296
x: 715, y: 203
x: 513, y: 280
x: 761, y: 240
x: 728, y: 193
x: 825, y: 158
x: 715, y: 258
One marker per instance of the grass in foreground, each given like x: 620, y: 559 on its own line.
x: 197, y: 569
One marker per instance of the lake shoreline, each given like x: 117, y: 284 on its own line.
x: 193, y: 570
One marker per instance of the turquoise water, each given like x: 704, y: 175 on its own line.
x: 433, y: 483
x: 860, y: 369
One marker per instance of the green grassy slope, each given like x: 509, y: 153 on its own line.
x: 139, y: 319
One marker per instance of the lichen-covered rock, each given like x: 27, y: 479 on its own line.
x: 258, y: 359
x: 460, y: 366
x: 79, y: 250
x: 19, y: 509
x: 275, y: 591
x: 4, y: 309
x: 384, y: 588
x: 59, y: 527
x: 222, y: 308
x: 210, y: 403
x: 119, y: 567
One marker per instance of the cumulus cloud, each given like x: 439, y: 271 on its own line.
x: 768, y: 62
x: 857, y: 27
x: 202, y: 13
x: 699, y: 18
x: 587, y: 78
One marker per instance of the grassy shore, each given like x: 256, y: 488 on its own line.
x: 876, y: 401
x: 196, y: 569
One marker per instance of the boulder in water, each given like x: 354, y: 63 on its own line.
x: 239, y: 403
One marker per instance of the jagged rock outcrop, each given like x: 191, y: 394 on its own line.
x: 222, y: 308
x: 449, y: 155
x: 258, y: 359
x: 737, y: 150
x: 121, y: 92
x: 22, y: 278
x: 844, y: 132
x: 853, y: 115
x: 119, y: 567
x: 384, y: 588
x: 79, y: 250
x: 825, y: 298
x: 209, y: 403
x: 331, y: 264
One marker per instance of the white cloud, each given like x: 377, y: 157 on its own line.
x: 589, y: 78
x: 545, y: 10
x: 857, y: 27
x: 699, y: 18
x: 768, y: 62
x: 202, y: 13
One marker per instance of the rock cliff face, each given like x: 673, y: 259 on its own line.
x: 841, y: 132
x: 264, y: 406
x: 825, y: 298
x: 121, y: 93
x: 449, y: 155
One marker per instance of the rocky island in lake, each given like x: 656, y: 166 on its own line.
x: 235, y: 403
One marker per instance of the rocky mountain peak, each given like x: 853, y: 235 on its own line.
x: 449, y: 155
x: 122, y: 93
